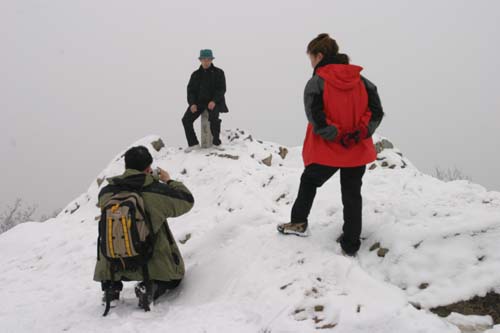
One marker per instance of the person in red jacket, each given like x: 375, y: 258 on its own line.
x: 343, y: 111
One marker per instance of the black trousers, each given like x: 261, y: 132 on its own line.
x: 314, y: 176
x: 160, y: 288
x: 190, y: 117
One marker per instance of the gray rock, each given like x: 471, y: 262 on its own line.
x: 268, y: 160
x: 383, y: 144
x: 382, y: 252
x: 375, y: 246
x: 423, y: 286
x: 158, y: 144
x: 283, y: 152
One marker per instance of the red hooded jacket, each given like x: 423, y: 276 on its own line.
x: 345, y: 103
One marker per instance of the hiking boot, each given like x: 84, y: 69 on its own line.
x: 145, y: 297
x: 191, y: 148
x: 298, y: 229
x: 114, y: 297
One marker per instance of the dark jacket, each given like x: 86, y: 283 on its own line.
x: 161, y: 201
x: 207, y: 85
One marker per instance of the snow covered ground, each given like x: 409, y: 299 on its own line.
x: 426, y: 243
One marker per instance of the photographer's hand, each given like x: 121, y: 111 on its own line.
x: 164, y: 175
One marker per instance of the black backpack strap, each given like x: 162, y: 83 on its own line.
x: 98, y: 252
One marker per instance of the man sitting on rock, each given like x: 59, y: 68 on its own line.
x: 205, y: 92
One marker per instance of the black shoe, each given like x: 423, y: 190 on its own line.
x: 114, y: 295
x: 216, y: 142
x: 145, y: 297
x: 345, y: 249
x: 350, y: 254
x: 110, y: 300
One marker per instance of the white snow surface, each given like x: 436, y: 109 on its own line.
x: 242, y: 276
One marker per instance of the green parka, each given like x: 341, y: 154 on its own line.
x: 161, y: 201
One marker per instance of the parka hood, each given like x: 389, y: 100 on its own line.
x: 343, y: 77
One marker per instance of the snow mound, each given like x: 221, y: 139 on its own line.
x: 425, y: 243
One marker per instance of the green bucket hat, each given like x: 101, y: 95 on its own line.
x: 206, y: 54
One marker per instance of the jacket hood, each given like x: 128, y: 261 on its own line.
x: 133, y: 179
x: 343, y: 77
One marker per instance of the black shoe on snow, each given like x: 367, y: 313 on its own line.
x: 145, y: 297
x: 298, y: 229
x: 114, y: 297
x: 345, y: 251
x: 110, y: 300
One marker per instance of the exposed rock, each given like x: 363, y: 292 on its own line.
x: 232, y: 157
x: 158, y: 144
x: 382, y: 252
x: 383, y: 144
x: 423, y: 286
x: 281, y: 197
x: 319, y: 308
x: 100, y: 181
x: 375, y: 246
x: 75, y: 209
x: 185, y: 239
x: 326, y: 326
x: 283, y: 152
x: 373, y: 166
x: 479, y: 305
x: 268, y: 160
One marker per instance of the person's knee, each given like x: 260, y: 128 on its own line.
x: 213, y: 118
x: 186, y: 120
x: 311, y: 180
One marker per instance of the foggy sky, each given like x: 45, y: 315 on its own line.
x: 81, y: 80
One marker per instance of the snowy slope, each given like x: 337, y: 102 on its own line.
x: 439, y: 242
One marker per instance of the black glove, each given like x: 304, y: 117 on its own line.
x: 350, y: 139
x: 329, y: 133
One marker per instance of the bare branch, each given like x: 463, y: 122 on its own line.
x: 16, y: 214
x: 449, y: 175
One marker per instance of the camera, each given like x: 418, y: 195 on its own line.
x: 156, y: 172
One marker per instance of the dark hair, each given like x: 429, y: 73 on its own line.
x: 327, y: 46
x: 138, y: 158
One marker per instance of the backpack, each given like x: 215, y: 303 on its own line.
x: 126, y: 238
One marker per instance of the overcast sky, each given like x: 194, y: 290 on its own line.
x: 81, y: 80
